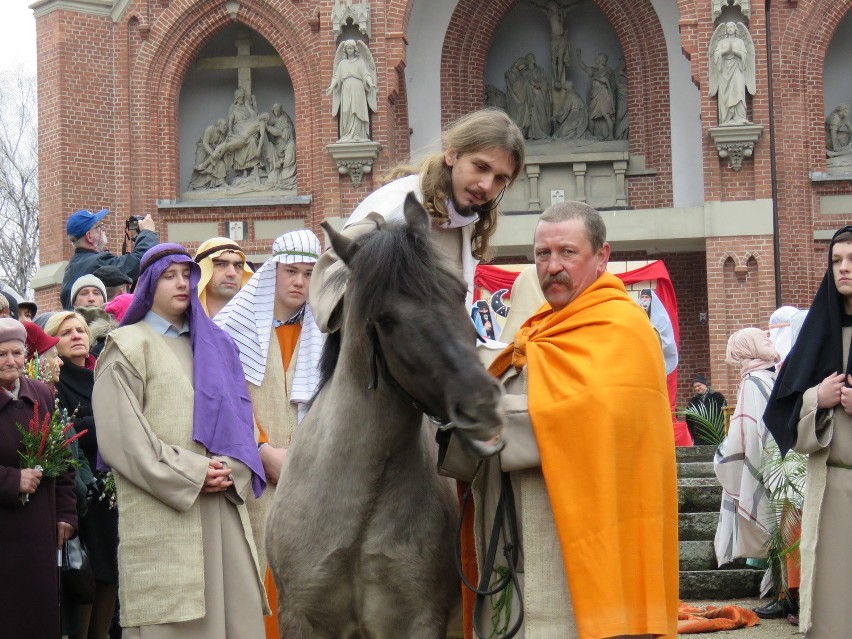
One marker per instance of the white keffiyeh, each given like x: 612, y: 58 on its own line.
x: 248, y: 319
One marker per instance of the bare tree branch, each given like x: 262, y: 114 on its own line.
x: 18, y: 179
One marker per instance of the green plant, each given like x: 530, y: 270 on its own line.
x: 785, y: 479
x: 710, y: 420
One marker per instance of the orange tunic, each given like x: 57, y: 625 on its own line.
x: 288, y: 337
x: 599, y: 408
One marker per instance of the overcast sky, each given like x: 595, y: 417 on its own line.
x: 17, y: 35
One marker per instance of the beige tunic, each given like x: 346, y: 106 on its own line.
x: 187, y: 561
x: 827, y: 517
x: 278, y: 417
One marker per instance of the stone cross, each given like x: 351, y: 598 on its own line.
x: 243, y: 62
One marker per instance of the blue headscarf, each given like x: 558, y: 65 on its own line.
x: 222, y: 417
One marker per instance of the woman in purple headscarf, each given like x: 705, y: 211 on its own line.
x: 178, y: 434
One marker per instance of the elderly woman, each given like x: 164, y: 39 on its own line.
x: 31, y: 532
x: 99, y: 526
x: 744, y: 519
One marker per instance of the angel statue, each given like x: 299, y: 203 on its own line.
x: 354, y: 87
x: 732, y: 71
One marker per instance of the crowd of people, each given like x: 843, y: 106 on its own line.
x: 185, y: 395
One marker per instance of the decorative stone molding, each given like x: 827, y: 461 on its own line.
x: 594, y: 174
x: 344, y: 10
x: 354, y: 158
x: 736, y: 142
x: 744, y: 5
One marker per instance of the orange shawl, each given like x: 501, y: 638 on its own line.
x: 600, y: 411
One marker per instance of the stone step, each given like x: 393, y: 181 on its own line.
x: 698, y: 495
x: 697, y: 526
x: 720, y: 584
x: 700, y: 555
x: 695, y: 469
x: 697, y: 555
x: 685, y: 454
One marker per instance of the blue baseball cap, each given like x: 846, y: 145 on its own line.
x: 80, y: 222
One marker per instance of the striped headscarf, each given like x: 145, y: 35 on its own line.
x: 248, y: 319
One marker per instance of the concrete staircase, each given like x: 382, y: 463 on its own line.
x: 699, y: 499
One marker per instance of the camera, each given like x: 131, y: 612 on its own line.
x: 132, y: 223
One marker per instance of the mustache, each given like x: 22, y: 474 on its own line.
x: 559, y: 278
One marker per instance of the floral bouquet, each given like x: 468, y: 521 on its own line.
x: 46, y: 443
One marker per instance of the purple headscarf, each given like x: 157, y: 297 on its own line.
x: 222, y: 416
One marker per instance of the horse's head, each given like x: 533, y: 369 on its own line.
x: 410, y: 312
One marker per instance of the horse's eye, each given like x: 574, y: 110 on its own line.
x: 384, y: 321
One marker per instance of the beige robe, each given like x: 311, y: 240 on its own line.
x: 278, y: 417
x: 827, y: 518
x: 187, y: 559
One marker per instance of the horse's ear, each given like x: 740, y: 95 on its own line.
x: 416, y: 215
x: 343, y: 246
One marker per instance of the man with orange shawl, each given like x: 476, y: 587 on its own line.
x: 589, y: 451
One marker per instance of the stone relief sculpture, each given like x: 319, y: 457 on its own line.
x: 246, y: 135
x: 353, y: 86
x: 571, y: 118
x: 528, y: 100
x: 602, y: 90
x: 732, y: 71
x: 622, y: 118
x: 838, y: 133
x: 494, y: 97
x: 248, y: 151
x: 280, y: 150
x: 550, y: 107
x: 560, y: 49
x: 210, y: 169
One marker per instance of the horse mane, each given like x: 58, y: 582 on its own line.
x: 394, y: 262
x: 389, y: 262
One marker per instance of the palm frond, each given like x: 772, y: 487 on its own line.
x: 785, y: 479
x: 710, y: 420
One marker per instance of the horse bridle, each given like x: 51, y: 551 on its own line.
x: 378, y: 361
x: 505, y: 515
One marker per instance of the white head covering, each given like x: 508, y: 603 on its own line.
x: 779, y: 330
x: 248, y: 319
x: 796, y: 326
x: 661, y: 321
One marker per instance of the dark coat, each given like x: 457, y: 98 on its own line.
x: 29, y: 589
x: 708, y: 398
x: 86, y: 261
x: 99, y: 527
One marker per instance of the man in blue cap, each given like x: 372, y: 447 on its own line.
x: 87, y: 233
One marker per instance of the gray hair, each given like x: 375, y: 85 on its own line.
x: 595, y: 227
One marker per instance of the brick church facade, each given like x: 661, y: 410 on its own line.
x: 737, y: 241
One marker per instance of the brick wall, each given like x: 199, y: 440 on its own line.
x: 108, y: 105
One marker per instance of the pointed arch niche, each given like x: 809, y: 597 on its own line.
x: 837, y: 91
x: 235, y: 55
x: 609, y: 26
